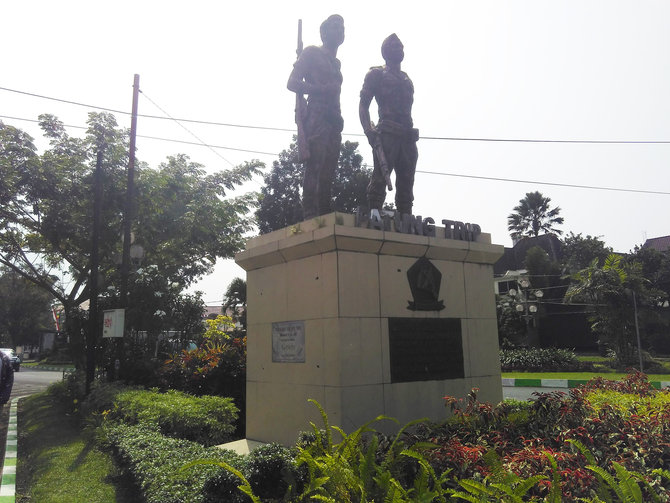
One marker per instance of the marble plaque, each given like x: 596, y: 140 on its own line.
x: 288, y: 342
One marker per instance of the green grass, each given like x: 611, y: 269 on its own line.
x: 57, y: 464
x: 593, y: 358
x: 64, y: 366
x: 578, y: 375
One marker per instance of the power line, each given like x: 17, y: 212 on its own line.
x: 186, y: 129
x: 293, y: 130
x: 457, y: 175
x: 160, y: 117
x: 170, y: 140
x: 539, y: 140
x: 208, y: 145
x: 554, y: 184
x: 69, y: 102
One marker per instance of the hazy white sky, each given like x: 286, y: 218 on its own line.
x: 531, y: 69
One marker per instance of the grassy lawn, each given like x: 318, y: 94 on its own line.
x: 56, y: 464
x: 578, y: 375
x: 593, y: 358
x: 64, y: 366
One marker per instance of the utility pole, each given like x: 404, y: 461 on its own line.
x: 93, y: 325
x: 637, y: 332
x: 128, y: 209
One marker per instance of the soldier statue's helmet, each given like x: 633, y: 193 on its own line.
x: 391, y: 39
x: 334, y: 20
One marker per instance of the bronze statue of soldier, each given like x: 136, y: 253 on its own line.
x: 394, y: 138
x: 317, y: 74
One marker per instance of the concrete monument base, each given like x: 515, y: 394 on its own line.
x: 330, y: 317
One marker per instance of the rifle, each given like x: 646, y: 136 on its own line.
x: 381, y: 157
x: 300, y: 106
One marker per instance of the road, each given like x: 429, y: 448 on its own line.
x: 523, y: 393
x: 28, y: 381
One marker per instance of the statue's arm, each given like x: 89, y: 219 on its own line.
x: 364, y: 113
x: 367, y: 93
x: 301, y: 82
x: 296, y: 81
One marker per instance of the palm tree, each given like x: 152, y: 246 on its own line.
x: 532, y: 216
x: 609, y: 291
x: 235, y: 301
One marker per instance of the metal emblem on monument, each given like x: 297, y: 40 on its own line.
x: 424, y: 282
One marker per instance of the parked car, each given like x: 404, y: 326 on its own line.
x: 16, y: 361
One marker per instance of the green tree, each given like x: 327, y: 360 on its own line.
x: 185, y: 218
x: 655, y: 267
x: 533, y: 216
x: 25, y: 309
x: 235, y: 300
x: 655, y: 317
x: 280, y: 202
x: 544, y: 274
x: 610, y: 291
x: 511, y: 325
x: 579, y: 252
x: 351, y: 179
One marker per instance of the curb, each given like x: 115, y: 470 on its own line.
x: 52, y: 369
x: 560, y: 383
x: 8, y: 484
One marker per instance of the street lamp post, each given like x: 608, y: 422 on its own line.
x: 527, y: 301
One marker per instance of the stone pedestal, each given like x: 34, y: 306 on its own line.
x: 333, y: 298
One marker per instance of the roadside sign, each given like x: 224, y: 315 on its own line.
x: 113, y: 322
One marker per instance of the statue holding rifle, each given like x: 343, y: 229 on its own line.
x: 394, y: 138
x: 317, y: 74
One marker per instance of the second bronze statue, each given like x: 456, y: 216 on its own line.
x: 394, y: 138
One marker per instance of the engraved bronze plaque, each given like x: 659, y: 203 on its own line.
x: 425, y: 349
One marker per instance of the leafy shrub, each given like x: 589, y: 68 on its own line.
x: 211, y: 369
x: 522, y: 436
x: 207, y: 419
x: 70, y: 391
x: 541, y: 359
x: 102, y: 396
x: 269, y: 469
x: 634, y: 382
x: 353, y: 471
x: 216, y: 368
x: 629, y: 403
x: 139, y: 368
x: 560, y: 447
x: 155, y: 462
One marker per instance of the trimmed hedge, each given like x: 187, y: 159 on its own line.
x: 541, y: 360
x: 206, y: 419
x: 154, y: 435
x: 156, y: 462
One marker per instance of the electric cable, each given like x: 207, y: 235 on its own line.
x: 293, y: 130
x: 457, y: 175
x: 185, y: 128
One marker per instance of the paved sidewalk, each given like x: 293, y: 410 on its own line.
x: 8, y: 484
x: 561, y: 383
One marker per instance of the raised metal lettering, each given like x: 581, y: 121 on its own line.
x: 429, y: 227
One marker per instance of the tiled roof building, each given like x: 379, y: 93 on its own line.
x: 660, y: 244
